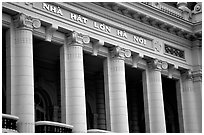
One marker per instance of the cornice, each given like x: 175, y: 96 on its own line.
x: 160, y: 20
x: 6, y: 19
x: 114, y: 19
x: 159, y: 15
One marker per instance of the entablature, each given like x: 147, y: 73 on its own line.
x: 113, y: 18
x: 169, y: 21
x: 138, y: 42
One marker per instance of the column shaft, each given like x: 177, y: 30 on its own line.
x: 20, y: 72
x: 73, y: 103
x: 154, y: 105
x: 117, y: 95
x: 191, y: 107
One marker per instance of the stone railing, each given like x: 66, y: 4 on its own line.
x: 98, y: 131
x: 9, y: 123
x: 52, y: 127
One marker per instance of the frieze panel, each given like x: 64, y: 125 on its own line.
x: 81, y: 19
x: 174, y: 51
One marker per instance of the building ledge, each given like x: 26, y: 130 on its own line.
x: 9, y: 123
x: 52, y: 127
x: 98, y: 131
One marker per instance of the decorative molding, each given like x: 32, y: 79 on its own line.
x: 164, y: 8
x: 158, y: 64
x: 75, y: 38
x: 29, y: 4
x: 171, y: 70
x: 174, y: 51
x: 187, y: 74
x: 197, y: 75
x: 197, y: 8
x: 21, y: 20
x: 197, y: 43
x: 121, y: 9
x: 186, y: 12
x: 120, y: 52
x: 50, y: 31
x: 135, y: 59
x: 96, y: 46
x: 157, y: 45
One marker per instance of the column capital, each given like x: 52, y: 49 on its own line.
x: 77, y: 39
x: 158, y: 64
x: 23, y: 21
x: 120, y: 53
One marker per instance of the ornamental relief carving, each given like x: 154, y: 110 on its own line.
x: 157, y: 45
x: 174, y: 51
x: 29, y: 3
x: 198, y: 8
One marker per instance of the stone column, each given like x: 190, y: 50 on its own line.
x: 197, y: 86
x: 73, y: 102
x: 191, y: 105
x: 20, y: 72
x: 153, y: 96
x: 117, y: 90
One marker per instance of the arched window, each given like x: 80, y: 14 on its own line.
x: 40, y: 110
x: 42, y: 106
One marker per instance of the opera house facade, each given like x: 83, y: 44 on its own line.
x: 102, y: 67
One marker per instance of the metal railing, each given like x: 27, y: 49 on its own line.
x: 9, y: 123
x: 52, y: 127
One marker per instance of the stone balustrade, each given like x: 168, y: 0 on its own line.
x: 9, y: 123
x: 98, y: 131
x: 52, y: 127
